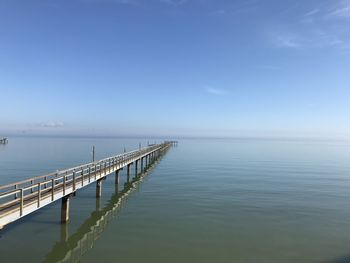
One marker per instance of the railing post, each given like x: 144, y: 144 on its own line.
x: 73, y: 180
x: 21, y: 202
x: 53, y: 189
x: 39, y: 194
x: 64, y: 184
x: 82, y: 177
x: 89, y: 174
x: 16, y: 194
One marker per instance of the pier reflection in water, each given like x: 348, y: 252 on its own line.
x: 71, y: 248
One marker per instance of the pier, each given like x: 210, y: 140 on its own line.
x: 24, y: 197
x: 72, y: 246
x: 4, y: 141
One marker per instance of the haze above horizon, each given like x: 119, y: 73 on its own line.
x: 214, y: 68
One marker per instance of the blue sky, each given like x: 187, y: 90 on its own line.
x: 175, y: 68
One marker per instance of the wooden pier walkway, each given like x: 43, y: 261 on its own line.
x: 22, y: 198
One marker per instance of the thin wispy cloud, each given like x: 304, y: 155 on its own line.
x: 316, y: 38
x: 343, y: 12
x: 138, y: 2
x: 174, y: 2
x: 267, y: 67
x: 341, y: 9
x: 312, y: 12
x: 285, y: 40
x: 215, y: 91
x: 121, y: 2
x: 124, y: 1
x: 320, y: 26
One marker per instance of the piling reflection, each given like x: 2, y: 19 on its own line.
x: 72, y: 248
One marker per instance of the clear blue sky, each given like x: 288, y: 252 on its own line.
x: 167, y: 67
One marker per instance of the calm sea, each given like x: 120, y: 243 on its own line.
x: 234, y: 200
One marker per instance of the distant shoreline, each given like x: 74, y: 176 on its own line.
x: 254, y: 138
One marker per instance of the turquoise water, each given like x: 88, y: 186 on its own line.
x: 233, y: 200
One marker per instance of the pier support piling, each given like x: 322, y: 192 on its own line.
x: 128, y: 173
x: 99, y: 188
x: 117, y: 176
x: 136, y: 164
x: 98, y: 203
x: 128, y: 170
x: 65, y: 209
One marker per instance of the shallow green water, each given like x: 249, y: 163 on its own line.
x: 205, y: 201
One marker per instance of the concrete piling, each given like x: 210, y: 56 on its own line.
x: 136, y: 166
x: 99, y: 188
x: 128, y: 173
x: 117, y: 177
x: 65, y: 209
